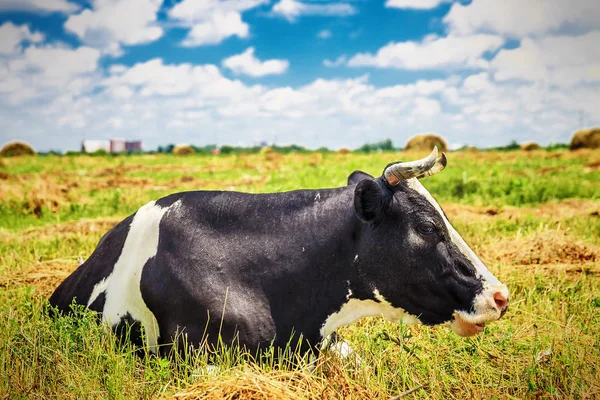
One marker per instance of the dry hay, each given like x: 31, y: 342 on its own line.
x: 16, y: 149
x: 83, y: 227
x: 557, y: 210
x: 44, y: 276
x: 267, y: 150
x: 43, y: 192
x: 426, y: 142
x: 183, y: 150
x: 269, y: 154
x: 530, y: 146
x: 344, y: 150
x: 314, y: 159
x: 569, y: 271
x: 549, y: 247
x: 585, y: 139
x: 249, y: 382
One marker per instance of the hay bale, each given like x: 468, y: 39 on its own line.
x: 426, y: 142
x: 267, y: 150
x: 183, y: 150
x: 530, y: 146
x: 585, y: 139
x: 16, y: 149
x: 344, y: 150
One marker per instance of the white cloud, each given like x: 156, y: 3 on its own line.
x: 43, y: 6
x: 518, y: 18
x: 171, y: 103
x: 13, y: 36
x: 478, y: 83
x: 425, y: 107
x: 212, y: 21
x: 217, y: 27
x: 29, y: 75
x: 111, y: 23
x: 341, y: 60
x: 414, y: 4
x: 554, y: 60
x: 292, y: 9
x: 432, y: 52
x: 324, y: 34
x: 66, y: 63
x: 246, y: 63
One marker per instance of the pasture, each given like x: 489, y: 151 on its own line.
x: 532, y: 217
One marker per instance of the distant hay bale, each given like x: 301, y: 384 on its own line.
x: 344, y: 150
x: 426, y: 142
x: 470, y: 149
x: 530, y: 146
x: 267, y: 150
x: 16, y: 149
x: 183, y: 150
x: 585, y: 139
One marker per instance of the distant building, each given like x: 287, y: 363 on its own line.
x: 134, y: 145
x: 111, y: 146
x: 91, y: 146
x: 117, y: 145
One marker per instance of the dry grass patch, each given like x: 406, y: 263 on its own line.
x: 549, y: 247
x: 330, y: 379
x: 557, y: 210
x: 44, y: 277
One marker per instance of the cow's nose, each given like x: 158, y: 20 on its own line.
x: 501, y: 300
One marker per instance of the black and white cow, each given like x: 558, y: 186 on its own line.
x: 262, y: 268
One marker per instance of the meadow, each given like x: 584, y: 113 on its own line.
x: 532, y: 217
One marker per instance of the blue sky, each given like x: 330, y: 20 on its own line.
x: 312, y: 72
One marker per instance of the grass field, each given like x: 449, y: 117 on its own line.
x: 533, y: 217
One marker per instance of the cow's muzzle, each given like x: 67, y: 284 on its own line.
x: 488, y: 306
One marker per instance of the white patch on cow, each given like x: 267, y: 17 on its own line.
x: 341, y: 349
x: 483, y: 304
x: 355, y: 309
x: 99, y: 288
x: 349, y: 294
x: 355, y: 258
x: 318, y: 196
x: 123, y: 294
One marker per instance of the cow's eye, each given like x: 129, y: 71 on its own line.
x: 426, y: 228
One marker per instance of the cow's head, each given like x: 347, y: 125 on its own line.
x: 417, y: 261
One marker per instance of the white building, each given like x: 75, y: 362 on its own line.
x: 90, y: 146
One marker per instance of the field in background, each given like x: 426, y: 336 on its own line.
x: 533, y: 217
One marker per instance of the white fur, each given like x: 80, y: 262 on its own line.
x: 123, y: 294
x: 99, y: 288
x: 355, y: 309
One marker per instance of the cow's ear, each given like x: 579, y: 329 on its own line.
x: 358, y: 176
x: 368, y: 201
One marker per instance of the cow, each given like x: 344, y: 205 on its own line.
x: 281, y: 269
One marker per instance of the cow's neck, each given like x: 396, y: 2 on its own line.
x: 338, y: 294
x: 350, y: 296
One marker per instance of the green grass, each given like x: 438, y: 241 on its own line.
x: 547, y: 345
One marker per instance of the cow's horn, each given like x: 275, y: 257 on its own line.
x: 427, y: 166
x: 439, y: 165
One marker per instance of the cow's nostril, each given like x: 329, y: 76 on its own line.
x: 501, y: 301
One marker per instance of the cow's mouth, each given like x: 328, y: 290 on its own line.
x: 463, y: 325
